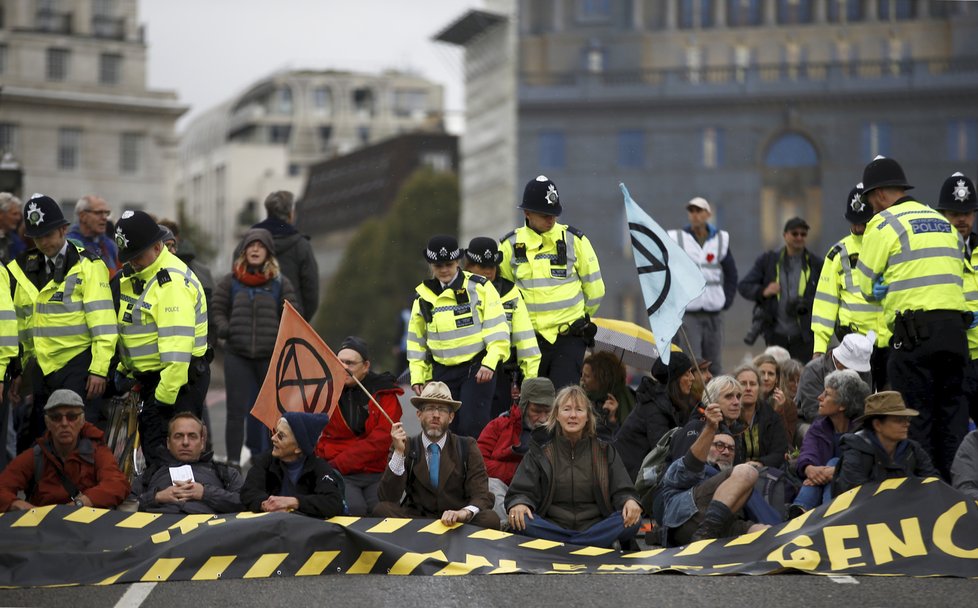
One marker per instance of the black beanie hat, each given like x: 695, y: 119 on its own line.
x: 357, y: 344
x: 307, y: 428
x: 679, y: 364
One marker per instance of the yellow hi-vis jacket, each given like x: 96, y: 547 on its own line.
x: 557, y: 273
x: 64, y: 318
x: 162, y: 323
x: 452, y: 325
x: 838, y: 300
x: 521, y: 335
x: 9, y: 341
x: 917, y: 253
x: 969, y: 273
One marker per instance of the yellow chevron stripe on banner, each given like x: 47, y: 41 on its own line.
x: 365, y: 562
x: 190, y: 522
x: 160, y: 537
x: 112, y: 579
x: 841, y: 502
x: 541, y: 544
x: 318, y: 562
x: 138, y: 520
x: 162, y: 569
x: 266, y: 565
x: 436, y: 527
x: 32, y: 517
x: 591, y: 551
x: 391, y: 524
x: 890, y: 484
x: 409, y: 561
x: 459, y: 568
x: 506, y: 566
x: 85, y: 515
x: 342, y: 520
x: 213, y: 568
x: 793, y: 525
x: 644, y: 554
x: 695, y: 548
x: 487, y: 534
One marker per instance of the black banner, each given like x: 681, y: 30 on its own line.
x: 909, y: 527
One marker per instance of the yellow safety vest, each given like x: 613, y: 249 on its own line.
x: 451, y: 326
x: 162, y: 323
x: 917, y: 253
x: 969, y: 274
x: 557, y: 273
x: 838, y: 300
x: 521, y: 334
x: 63, y: 319
x: 9, y: 341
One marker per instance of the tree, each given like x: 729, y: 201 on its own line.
x: 190, y: 232
x: 384, y: 262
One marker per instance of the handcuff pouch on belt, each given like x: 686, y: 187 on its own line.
x: 907, y: 335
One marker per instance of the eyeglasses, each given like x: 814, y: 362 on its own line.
x: 723, y: 447
x: 441, y: 409
x: 57, y: 416
x: 99, y: 212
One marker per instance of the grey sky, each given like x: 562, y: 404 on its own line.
x: 208, y: 50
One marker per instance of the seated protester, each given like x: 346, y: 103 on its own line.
x: 881, y: 449
x: 703, y: 492
x: 726, y: 392
x: 603, y: 379
x: 358, y: 436
x: 439, y: 474
x: 840, y: 403
x: 765, y: 441
x: 69, y: 464
x: 964, y: 470
x: 187, y: 480
x: 790, y: 374
x: 572, y: 487
x: 773, y: 393
x: 853, y: 353
x: 663, y: 404
x: 506, y: 438
x: 291, y: 477
x: 701, y: 377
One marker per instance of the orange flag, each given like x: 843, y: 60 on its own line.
x: 304, y: 375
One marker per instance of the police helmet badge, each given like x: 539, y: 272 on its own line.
x: 961, y: 192
x: 34, y: 214
x: 856, y: 204
x: 443, y: 252
x: 120, y: 238
x: 487, y: 256
x: 551, y: 195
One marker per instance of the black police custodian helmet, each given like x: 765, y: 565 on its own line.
x: 135, y: 232
x: 957, y: 194
x: 442, y: 249
x: 484, y: 251
x: 858, y: 210
x: 883, y: 173
x: 42, y: 215
x: 541, y: 196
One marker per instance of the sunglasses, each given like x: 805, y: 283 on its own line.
x: 57, y: 416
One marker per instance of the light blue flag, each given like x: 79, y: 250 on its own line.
x: 669, y: 279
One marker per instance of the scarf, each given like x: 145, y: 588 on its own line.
x: 250, y: 277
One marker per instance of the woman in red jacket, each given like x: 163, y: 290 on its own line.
x: 358, y: 437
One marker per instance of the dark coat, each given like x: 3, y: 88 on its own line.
x: 317, y: 490
x: 297, y: 262
x: 764, y: 272
x: 864, y: 460
x: 654, y: 415
x: 220, y: 495
x: 250, y: 325
x: 454, y: 490
x: 772, y: 437
x: 533, y: 484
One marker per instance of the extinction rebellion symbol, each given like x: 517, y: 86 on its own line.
x: 301, y: 375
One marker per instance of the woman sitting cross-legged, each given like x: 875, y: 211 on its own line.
x: 571, y: 487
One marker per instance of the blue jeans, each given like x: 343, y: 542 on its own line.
x: 601, y: 534
x: 810, y: 497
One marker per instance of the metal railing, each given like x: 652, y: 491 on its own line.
x: 46, y: 20
x: 113, y: 28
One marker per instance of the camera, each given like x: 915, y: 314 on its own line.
x: 757, y: 324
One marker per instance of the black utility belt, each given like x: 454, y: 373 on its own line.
x: 912, y: 327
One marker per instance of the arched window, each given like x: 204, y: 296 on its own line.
x: 791, y: 150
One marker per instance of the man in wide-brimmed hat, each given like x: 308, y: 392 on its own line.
x: 439, y: 474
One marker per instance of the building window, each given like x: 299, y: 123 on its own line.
x: 8, y: 138
x: 743, y: 13
x: 694, y: 63
x: 791, y: 150
x: 3, y: 58
x: 109, y: 68
x: 896, y: 10
x: 962, y: 140
x: 130, y: 152
x: 696, y: 14
x: 279, y: 134
x: 410, y: 103
x: 364, y: 134
x: 875, y: 140
x: 294, y: 169
x: 57, y: 64
x: 322, y: 100
x: 631, y: 149
x: 593, y: 10
x: 594, y: 57
x: 284, y: 102
x: 794, y: 12
x: 50, y: 18
x: 712, y: 148
x: 325, y: 132
x: 551, y: 150
x: 845, y: 10
x: 69, y: 145
x: 363, y: 103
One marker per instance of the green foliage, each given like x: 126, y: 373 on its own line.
x: 383, y: 264
x: 190, y: 232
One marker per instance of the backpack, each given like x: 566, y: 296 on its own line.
x: 275, y: 289
x: 653, y: 469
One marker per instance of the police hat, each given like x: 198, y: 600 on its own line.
x: 883, y: 173
x: 483, y: 251
x: 858, y: 211
x: 135, y: 232
x: 957, y: 194
x: 42, y: 215
x: 541, y: 196
x: 441, y: 249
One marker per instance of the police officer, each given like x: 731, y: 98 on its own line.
x: 557, y: 272
x: 162, y: 319
x: 911, y: 261
x: 839, y: 306
x: 957, y: 202
x: 482, y: 257
x: 457, y: 334
x: 64, y: 312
